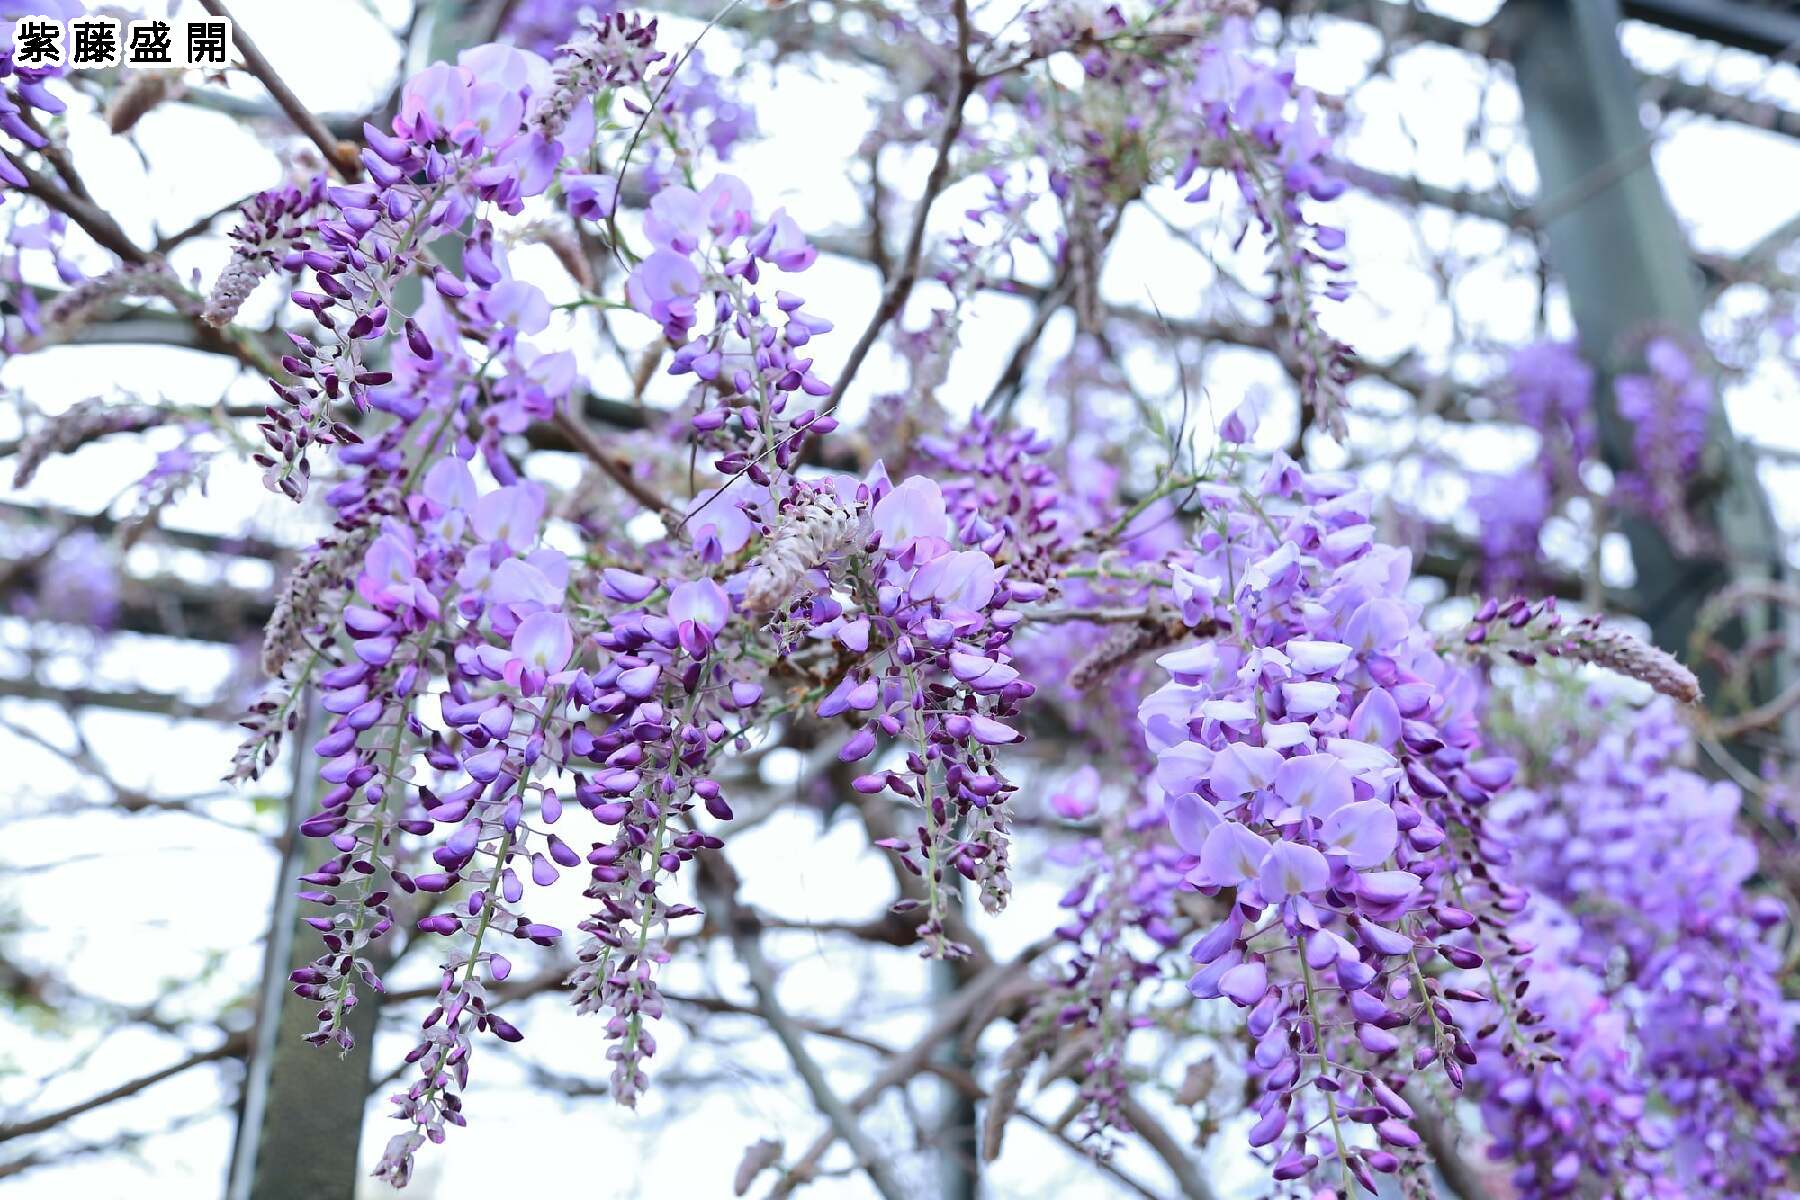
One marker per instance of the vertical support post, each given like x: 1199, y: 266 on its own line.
x: 300, y: 1134
x: 300, y: 1128
x: 1615, y: 243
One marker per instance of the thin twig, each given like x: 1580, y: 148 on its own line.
x: 232, y: 1047
x: 762, y: 980
x: 900, y: 285
x: 1006, y: 388
x: 98, y: 225
x: 584, y: 440
x: 950, y: 1019
x: 1099, y: 1164
x: 1173, y: 1154
x: 340, y: 155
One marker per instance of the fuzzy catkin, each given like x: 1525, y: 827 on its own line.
x: 612, y: 50
x: 141, y: 92
x: 234, y: 285
x: 1117, y: 648
x: 76, y: 308
x: 812, y: 532
x: 1620, y: 652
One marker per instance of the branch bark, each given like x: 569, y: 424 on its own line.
x: 232, y: 1047
x: 900, y: 285
x: 340, y: 155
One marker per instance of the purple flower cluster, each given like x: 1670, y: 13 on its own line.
x: 1317, y: 787
x: 24, y: 96
x: 696, y: 106
x: 452, y: 587
x: 887, y: 581
x: 619, y: 702
x: 1002, y: 495
x: 28, y: 228
x: 1122, y: 920
x: 79, y: 581
x: 1663, y: 984
x: 695, y: 241
x: 1316, y: 756
x: 491, y: 129
x: 274, y: 223
x: 26, y: 102
x: 1670, y: 408
x: 672, y: 701
x: 1548, y: 388
x: 1576, y: 1113
x: 1264, y: 128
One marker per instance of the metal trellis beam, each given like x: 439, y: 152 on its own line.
x: 1771, y: 29
x: 1615, y: 243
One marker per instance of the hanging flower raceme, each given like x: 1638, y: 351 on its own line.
x: 1315, y: 753
x: 668, y: 702
x: 1122, y: 922
x: 25, y: 97
x: 1670, y: 408
x: 1578, y: 1111
x: 1549, y: 388
x: 273, y: 221
x: 493, y: 129
x: 1658, y: 965
x: 1525, y: 631
x: 1319, y: 793
x: 1268, y: 131
x: 867, y: 593
x: 454, y: 600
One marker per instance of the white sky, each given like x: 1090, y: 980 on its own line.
x: 174, y: 907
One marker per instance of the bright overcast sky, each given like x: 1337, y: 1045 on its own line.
x: 156, y: 903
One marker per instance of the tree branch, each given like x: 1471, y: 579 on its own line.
x: 950, y: 1018
x: 232, y: 1047
x: 97, y: 224
x: 901, y: 284
x: 748, y: 944
x: 583, y: 439
x: 1173, y: 1154
x: 1455, y: 1169
x: 341, y: 156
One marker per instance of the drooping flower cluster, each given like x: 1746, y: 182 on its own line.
x: 83, y: 422
x: 618, y: 685
x: 1318, y: 800
x: 1548, y: 388
x: 1524, y: 631
x: 696, y: 108
x: 273, y: 222
x: 1577, y: 1112
x: 619, y: 700
x: 1316, y: 755
x: 1122, y: 921
x: 1670, y: 408
x: 25, y: 100
x: 1166, y: 92
x: 491, y: 129
x: 1658, y: 965
x: 909, y: 625
x: 84, y: 302
x: 1270, y: 132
